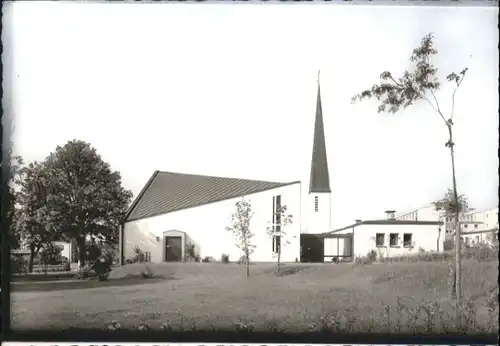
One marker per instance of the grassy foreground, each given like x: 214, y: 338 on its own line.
x: 387, y: 297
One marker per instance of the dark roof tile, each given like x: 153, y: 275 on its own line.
x: 166, y: 192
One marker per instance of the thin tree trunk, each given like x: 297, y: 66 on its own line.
x: 81, y: 250
x: 248, y: 264
x: 439, y: 239
x: 456, y: 289
x: 31, y: 259
x: 279, y: 257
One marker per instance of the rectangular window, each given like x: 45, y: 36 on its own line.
x: 276, y: 243
x: 477, y: 239
x: 407, y: 241
x: 466, y: 226
x: 273, y: 217
x: 467, y: 241
x: 393, y: 239
x: 316, y: 203
x: 475, y: 226
x: 278, y: 213
x: 379, y: 239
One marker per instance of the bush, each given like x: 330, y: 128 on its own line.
x: 191, y: 254
x: 51, y: 254
x: 208, y: 259
x: 102, y: 266
x: 18, y: 264
x: 85, y: 272
x: 147, y: 273
x: 224, y: 258
x: 242, y: 260
x: 370, y: 258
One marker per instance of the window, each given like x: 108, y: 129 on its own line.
x: 278, y: 213
x: 316, y: 203
x: 475, y: 226
x: 379, y: 239
x: 276, y: 243
x: 393, y: 239
x: 407, y: 242
x: 466, y: 226
x: 477, y: 239
x: 467, y: 241
x: 276, y: 216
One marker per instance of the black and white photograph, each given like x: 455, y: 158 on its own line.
x: 250, y: 171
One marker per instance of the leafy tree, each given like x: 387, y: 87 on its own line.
x: 13, y: 178
x: 33, y: 222
x: 239, y: 226
x: 446, y: 206
x: 421, y: 83
x: 88, y: 198
x: 277, y: 231
x: 51, y: 254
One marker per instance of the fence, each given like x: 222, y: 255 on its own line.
x: 51, y: 268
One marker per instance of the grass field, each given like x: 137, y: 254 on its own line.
x: 305, y: 297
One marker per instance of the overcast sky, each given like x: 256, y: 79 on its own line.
x: 230, y: 90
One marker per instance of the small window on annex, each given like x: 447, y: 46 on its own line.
x: 379, y: 239
x: 393, y: 239
x: 407, y: 240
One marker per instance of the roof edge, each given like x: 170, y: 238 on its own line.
x: 199, y: 205
x: 139, y: 196
x: 388, y: 222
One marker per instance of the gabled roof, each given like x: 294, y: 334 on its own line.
x: 166, y: 192
x: 320, y: 178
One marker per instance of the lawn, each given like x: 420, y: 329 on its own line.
x: 213, y: 296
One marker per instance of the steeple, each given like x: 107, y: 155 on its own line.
x: 320, y: 179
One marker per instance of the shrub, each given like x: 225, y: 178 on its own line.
x: 244, y: 325
x: 191, y: 254
x: 85, y: 272
x: 370, y: 258
x: 138, y: 255
x: 18, y: 264
x: 114, y: 325
x: 51, y: 254
x: 224, y: 258
x: 103, y: 265
x: 208, y: 259
x: 242, y: 260
x: 147, y: 273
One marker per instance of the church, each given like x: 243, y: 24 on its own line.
x: 175, y: 212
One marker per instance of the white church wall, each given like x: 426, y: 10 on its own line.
x: 318, y: 220
x: 206, y: 226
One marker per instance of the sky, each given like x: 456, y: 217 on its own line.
x: 230, y: 90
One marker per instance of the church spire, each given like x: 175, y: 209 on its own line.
x: 320, y: 179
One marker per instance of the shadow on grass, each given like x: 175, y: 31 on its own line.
x: 42, y: 277
x: 58, y: 285
x: 90, y: 335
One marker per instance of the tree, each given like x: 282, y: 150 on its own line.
x: 446, y: 205
x: 13, y: 178
x: 277, y: 231
x: 33, y: 222
x: 51, y: 254
x: 239, y: 226
x: 88, y: 199
x: 421, y: 83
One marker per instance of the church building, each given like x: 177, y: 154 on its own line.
x: 177, y: 214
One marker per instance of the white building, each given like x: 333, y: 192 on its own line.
x: 392, y: 236
x: 175, y: 210
x: 480, y: 226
